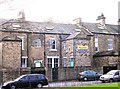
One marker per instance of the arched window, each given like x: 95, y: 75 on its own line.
x: 37, y: 43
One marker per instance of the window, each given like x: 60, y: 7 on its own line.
x: 71, y: 62
x: 64, y: 61
x: 25, y: 78
x: 24, y: 62
x: 37, y: 43
x: 22, y: 44
x: 64, y: 46
x: 53, y: 62
x: 96, y: 42
x: 32, y: 78
x: 50, y: 62
x: 110, y: 44
x: 38, y: 63
x: 52, y: 44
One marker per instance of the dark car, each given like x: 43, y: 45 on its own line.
x: 88, y: 75
x: 27, y: 81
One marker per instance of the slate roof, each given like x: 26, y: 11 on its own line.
x: 97, y: 28
x: 41, y: 27
x: 58, y: 28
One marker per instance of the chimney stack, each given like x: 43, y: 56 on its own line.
x: 21, y: 15
x: 77, y: 21
x: 118, y: 21
x: 101, y: 19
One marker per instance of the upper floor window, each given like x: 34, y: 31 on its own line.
x: 96, y: 42
x: 52, y: 44
x: 22, y: 44
x: 37, y: 43
x: 64, y: 46
x: 110, y: 44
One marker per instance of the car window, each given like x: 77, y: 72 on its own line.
x: 32, y: 78
x: 25, y: 78
x: 41, y: 77
x: 117, y: 73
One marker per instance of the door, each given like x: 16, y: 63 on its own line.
x: 24, y: 82
x: 53, y: 62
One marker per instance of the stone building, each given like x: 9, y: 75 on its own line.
x: 56, y: 49
x: 105, y: 43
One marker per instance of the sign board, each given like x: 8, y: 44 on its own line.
x: 82, y: 48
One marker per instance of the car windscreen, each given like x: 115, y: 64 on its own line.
x: 111, y: 72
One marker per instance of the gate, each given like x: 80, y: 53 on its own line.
x: 54, y: 74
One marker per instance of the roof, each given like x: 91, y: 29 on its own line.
x: 97, y: 28
x: 58, y: 28
x: 41, y: 27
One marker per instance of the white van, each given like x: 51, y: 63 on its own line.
x: 113, y: 75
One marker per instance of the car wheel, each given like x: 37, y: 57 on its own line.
x: 111, y: 80
x: 39, y: 86
x: 85, y: 79
x: 13, y: 87
x: 103, y: 81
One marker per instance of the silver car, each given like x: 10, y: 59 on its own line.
x: 111, y: 76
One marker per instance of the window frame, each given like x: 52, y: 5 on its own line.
x: 96, y: 42
x: 53, y: 63
x: 110, y: 44
x: 22, y: 44
x: 37, y: 43
x: 25, y: 64
x: 53, y: 45
x: 40, y: 61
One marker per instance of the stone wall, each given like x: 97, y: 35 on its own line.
x: 11, y: 54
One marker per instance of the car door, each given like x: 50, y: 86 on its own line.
x: 32, y: 80
x: 91, y: 75
x: 24, y: 82
x: 116, y: 76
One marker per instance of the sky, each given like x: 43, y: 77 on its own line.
x: 63, y: 11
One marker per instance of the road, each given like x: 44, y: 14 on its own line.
x: 71, y: 83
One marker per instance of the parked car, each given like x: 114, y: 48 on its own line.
x: 26, y: 81
x: 113, y: 75
x: 88, y: 75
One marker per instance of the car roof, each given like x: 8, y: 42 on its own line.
x: 113, y: 70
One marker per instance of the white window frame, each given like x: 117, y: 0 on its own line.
x: 96, y: 42
x: 22, y: 38
x: 110, y: 46
x: 40, y: 61
x: 53, y: 57
x: 24, y: 65
x: 37, y: 43
x: 51, y: 45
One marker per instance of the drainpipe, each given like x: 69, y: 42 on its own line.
x: 60, y: 39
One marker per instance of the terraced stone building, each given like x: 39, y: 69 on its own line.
x: 55, y: 49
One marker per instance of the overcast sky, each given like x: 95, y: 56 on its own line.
x: 61, y: 10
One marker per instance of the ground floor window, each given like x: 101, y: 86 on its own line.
x: 38, y: 63
x: 24, y: 61
x: 71, y: 62
x: 53, y: 62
